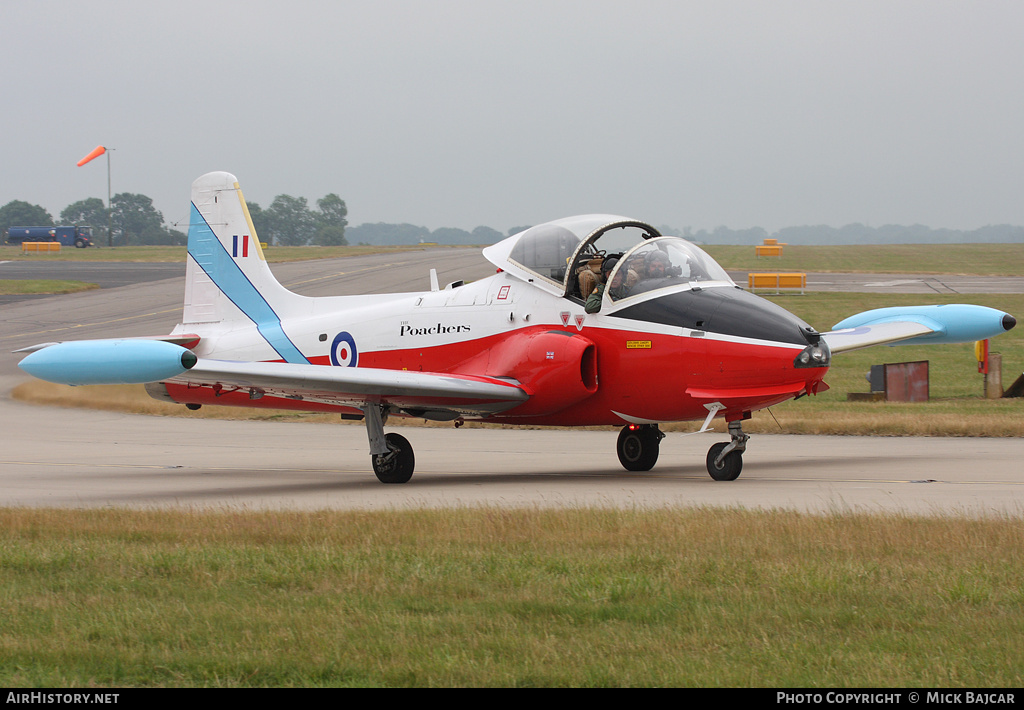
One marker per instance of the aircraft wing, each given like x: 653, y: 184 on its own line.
x: 903, y: 325
x: 141, y: 361
x: 357, y: 386
x: 867, y: 335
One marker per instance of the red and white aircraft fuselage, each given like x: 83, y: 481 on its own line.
x: 669, y: 337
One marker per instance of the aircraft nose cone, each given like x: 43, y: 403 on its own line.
x: 1008, y: 322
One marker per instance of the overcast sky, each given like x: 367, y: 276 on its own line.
x: 486, y: 112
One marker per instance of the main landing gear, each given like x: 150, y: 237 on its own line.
x: 391, y: 454
x: 638, y: 446
x: 725, y: 459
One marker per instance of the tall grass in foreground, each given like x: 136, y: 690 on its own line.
x: 495, y: 597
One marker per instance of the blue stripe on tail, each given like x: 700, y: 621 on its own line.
x: 207, y: 251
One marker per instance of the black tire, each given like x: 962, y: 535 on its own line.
x: 398, y: 466
x: 638, y: 448
x: 80, y: 244
x: 729, y: 469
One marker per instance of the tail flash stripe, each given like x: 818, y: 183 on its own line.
x: 252, y: 228
x: 207, y: 251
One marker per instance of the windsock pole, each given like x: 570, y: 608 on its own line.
x: 95, y: 153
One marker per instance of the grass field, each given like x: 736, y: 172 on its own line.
x: 508, y: 598
x: 9, y: 287
x: 977, y: 259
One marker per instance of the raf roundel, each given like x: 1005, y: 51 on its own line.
x: 343, y: 350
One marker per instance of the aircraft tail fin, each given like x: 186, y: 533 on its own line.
x: 227, y: 278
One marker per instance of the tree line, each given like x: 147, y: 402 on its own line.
x: 133, y: 220
x: 290, y: 221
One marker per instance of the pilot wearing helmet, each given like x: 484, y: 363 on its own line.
x: 625, y: 278
x: 657, y: 265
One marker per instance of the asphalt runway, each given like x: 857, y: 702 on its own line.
x: 78, y: 458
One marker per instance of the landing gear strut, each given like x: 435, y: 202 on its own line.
x: 391, y: 454
x: 725, y: 460
x: 638, y: 446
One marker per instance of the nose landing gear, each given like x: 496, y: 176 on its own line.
x: 725, y: 459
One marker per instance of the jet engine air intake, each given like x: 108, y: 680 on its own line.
x: 557, y: 369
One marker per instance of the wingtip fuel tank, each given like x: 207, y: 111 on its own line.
x: 108, y: 362
x: 949, y: 323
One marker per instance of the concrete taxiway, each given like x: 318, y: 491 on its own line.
x: 78, y: 458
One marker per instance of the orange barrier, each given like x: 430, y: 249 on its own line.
x: 777, y: 282
x: 768, y: 250
x: 40, y: 246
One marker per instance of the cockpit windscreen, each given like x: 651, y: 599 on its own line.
x: 663, y: 263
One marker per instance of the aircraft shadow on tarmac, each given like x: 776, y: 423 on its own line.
x: 196, y: 485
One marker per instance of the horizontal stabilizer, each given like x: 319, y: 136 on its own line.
x: 188, y: 340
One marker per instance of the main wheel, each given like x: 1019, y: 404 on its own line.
x: 638, y: 447
x: 397, y: 465
x: 729, y: 469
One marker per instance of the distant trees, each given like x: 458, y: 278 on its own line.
x: 290, y: 222
x: 388, y: 234
x: 331, y: 221
x: 21, y: 214
x: 134, y: 220
x: 88, y: 212
x: 385, y: 234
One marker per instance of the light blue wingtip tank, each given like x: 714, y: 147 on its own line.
x: 99, y: 362
x: 950, y: 323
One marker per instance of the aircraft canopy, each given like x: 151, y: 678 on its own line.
x: 551, y: 254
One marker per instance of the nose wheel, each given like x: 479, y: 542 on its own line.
x: 725, y: 459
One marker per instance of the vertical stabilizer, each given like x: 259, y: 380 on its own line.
x: 227, y: 279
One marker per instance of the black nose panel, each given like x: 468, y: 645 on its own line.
x: 729, y: 311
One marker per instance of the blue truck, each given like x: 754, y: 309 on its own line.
x: 79, y: 237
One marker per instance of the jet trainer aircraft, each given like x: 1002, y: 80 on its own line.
x: 673, y: 339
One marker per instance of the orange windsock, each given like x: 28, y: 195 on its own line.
x: 96, y: 152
